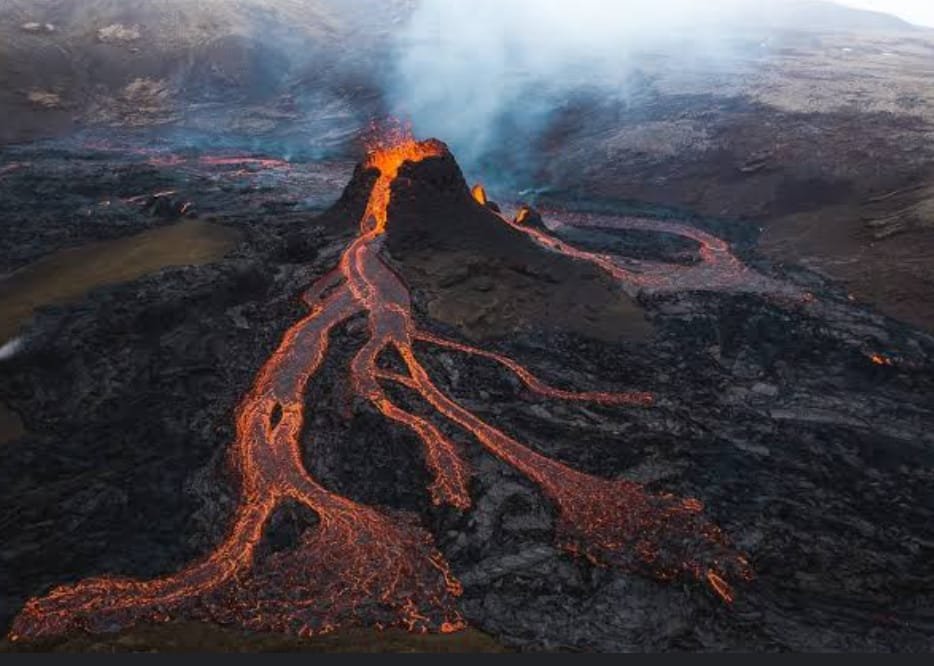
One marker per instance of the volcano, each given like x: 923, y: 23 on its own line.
x: 357, y: 555
x: 446, y: 414
x: 483, y: 275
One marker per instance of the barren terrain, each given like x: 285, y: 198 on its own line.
x: 672, y: 392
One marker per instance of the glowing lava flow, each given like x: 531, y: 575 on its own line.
x: 718, y: 269
x: 359, y: 564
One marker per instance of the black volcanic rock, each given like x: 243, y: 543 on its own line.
x: 487, y: 278
x: 814, y: 459
x: 483, y: 276
x: 432, y: 209
x: 530, y: 217
x: 346, y: 212
x: 165, y: 207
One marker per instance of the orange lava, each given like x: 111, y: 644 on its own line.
x: 539, y: 387
x: 387, y: 158
x: 720, y: 586
x: 879, y: 359
x: 718, y: 269
x: 479, y: 194
x: 359, y: 564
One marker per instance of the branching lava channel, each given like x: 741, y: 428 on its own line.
x: 360, y: 565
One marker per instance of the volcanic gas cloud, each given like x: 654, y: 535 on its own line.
x: 359, y: 564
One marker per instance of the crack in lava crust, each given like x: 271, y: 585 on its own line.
x: 358, y: 564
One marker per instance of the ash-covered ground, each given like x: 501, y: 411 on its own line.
x: 805, y: 427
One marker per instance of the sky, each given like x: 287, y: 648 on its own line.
x: 920, y: 12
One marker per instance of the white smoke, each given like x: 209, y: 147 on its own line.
x: 11, y: 348
x: 473, y: 72
x: 464, y: 66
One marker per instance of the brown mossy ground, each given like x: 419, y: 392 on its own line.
x: 67, y: 275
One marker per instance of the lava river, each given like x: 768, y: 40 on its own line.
x: 359, y: 564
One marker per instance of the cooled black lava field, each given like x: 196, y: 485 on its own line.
x: 769, y: 463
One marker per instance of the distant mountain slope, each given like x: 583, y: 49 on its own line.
x: 65, y: 63
x: 173, y: 22
x: 104, y: 60
x: 823, y: 16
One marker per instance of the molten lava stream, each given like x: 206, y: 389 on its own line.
x: 718, y: 269
x: 613, y: 522
x: 538, y: 386
x: 359, y: 564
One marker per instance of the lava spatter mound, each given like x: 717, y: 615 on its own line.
x: 358, y: 564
